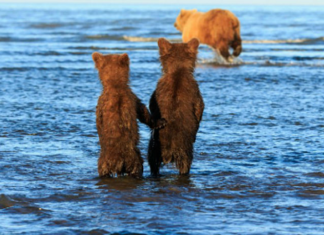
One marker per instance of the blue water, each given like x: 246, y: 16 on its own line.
x: 259, y: 154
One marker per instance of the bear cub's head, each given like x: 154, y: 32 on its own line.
x: 175, y: 56
x: 111, y: 67
x: 182, y: 18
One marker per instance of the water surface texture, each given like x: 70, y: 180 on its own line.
x: 259, y: 154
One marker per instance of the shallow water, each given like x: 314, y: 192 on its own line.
x: 258, y: 162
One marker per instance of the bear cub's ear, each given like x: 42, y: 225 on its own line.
x: 98, y: 59
x: 164, y: 46
x: 124, y: 59
x: 193, y: 45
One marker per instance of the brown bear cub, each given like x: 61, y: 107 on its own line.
x: 177, y: 98
x: 117, y: 112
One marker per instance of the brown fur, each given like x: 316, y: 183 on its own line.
x: 177, y: 98
x: 217, y: 28
x: 117, y: 111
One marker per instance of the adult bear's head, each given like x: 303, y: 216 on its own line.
x: 182, y: 18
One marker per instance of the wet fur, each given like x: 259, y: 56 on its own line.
x: 217, y: 28
x: 177, y: 98
x: 116, y: 118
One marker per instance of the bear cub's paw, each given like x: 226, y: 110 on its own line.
x: 160, y: 123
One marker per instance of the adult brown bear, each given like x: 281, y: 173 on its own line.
x: 177, y: 98
x: 217, y: 28
x: 117, y: 112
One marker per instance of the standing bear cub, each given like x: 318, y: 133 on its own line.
x: 217, y: 28
x: 117, y: 112
x: 177, y: 98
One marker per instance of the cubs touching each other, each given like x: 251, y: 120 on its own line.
x: 177, y: 98
x: 217, y: 28
x: 117, y: 110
